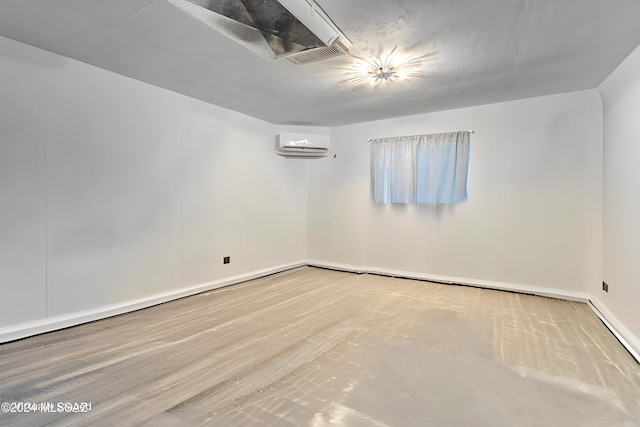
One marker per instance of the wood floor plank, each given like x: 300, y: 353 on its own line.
x: 318, y: 347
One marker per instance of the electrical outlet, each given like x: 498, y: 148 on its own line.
x: 226, y: 260
x: 605, y: 287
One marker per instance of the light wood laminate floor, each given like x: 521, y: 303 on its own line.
x: 313, y: 347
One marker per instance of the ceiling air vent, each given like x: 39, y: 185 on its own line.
x: 318, y: 22
x: 298, y: 30
x: 318, y: 54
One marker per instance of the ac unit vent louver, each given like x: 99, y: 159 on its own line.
x: 302, y: 145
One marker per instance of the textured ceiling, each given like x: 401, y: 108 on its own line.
x: 475, y: 52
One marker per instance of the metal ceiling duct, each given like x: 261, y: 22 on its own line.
x: 298, y: 30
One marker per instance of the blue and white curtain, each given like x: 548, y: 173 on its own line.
x: 420, y: 169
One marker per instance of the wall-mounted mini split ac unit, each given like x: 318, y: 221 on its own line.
x: 302, y: 145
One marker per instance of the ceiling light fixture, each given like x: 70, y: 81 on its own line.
x: 384, y: 69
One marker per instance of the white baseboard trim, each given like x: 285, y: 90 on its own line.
x: 511, y: 287
x: 617, y: 328
x: 36, y: 327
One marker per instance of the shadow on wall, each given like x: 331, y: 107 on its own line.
x: 423, y: 211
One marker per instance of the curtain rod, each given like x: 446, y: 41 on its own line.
x: 470, y: 131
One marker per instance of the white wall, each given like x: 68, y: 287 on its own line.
x: 621, y: 230
x: 534, y: 211
x: 114, y: 191
x: 22, y: 184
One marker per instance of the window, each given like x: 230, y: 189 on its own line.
x: 420, y: 169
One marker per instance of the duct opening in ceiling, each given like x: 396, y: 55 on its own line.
x: 271, y: 30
